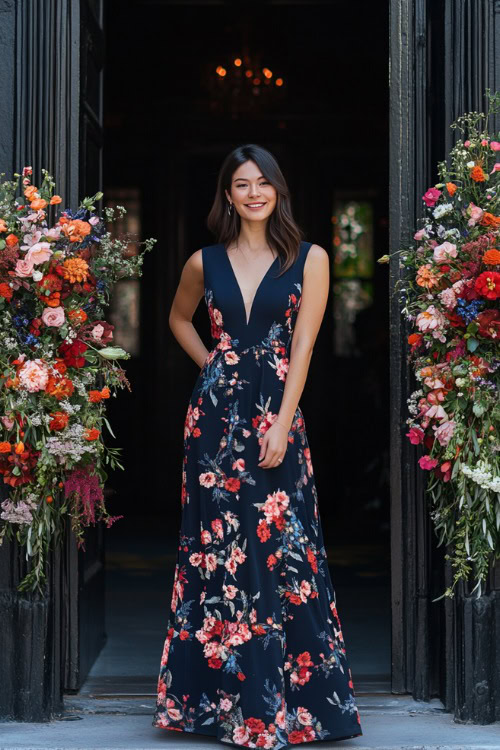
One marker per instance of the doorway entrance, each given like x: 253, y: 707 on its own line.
x: 185, y: 83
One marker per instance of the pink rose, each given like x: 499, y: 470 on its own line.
x: 24, y: 267
x: 495, y: 146
x: 53, y: 316
x: 445, y: 251
x: 419, y: 235
x: 97, y: 332
x: 39, y: 253
x: 467, y: 144
x: 431, y: 196
x: 496, y: 167
x: 7, y: 422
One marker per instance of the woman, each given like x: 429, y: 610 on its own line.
x: 254, y: 652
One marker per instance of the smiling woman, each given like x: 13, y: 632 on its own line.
x: 254, y: 652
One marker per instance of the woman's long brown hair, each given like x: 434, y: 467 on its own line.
x: 282, y: 233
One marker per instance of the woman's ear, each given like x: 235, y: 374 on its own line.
x: 228, y: 196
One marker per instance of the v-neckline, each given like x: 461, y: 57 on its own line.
x: 247, y: 320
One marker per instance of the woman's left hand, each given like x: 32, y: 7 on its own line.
x: 273, y: 446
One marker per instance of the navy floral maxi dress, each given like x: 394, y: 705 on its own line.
x: 254, y: 654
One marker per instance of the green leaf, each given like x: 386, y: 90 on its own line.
x: 472, y: 344
x: 109, y: 426
x: 2, y: 244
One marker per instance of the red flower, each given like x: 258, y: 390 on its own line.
x: 296, y: 737
x: 5, y: 291
x: 255, y: 725
x: 488, y: 284
x: 71, y: 353
x: 241, y: 676
x: 214, y: 662
x: 184, y: 635
x: 489, y: 324
x: 59, y: 420
x: 263, y: 531
x: 232, y: 484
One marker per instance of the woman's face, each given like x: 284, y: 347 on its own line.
x: 254, y: 198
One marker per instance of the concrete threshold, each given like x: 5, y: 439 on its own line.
x: 388, y: 722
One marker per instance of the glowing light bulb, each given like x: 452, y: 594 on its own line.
x: 268, y: 73
x: 221, y: 71
x: 279, y: 82
x: 237, y: 62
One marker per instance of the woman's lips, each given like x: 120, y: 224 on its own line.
x: 255, y: 206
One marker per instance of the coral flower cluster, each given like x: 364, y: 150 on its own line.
x: 58, y: 363
x: 450, y: 295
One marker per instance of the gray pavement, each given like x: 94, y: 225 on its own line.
x: 388, y: 722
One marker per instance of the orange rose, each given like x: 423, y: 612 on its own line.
x: 55, y: 199
x: 38, y: 203
x: 492, y: 257
x: 11, y: 240
x: 451, y: 188
x: 477, y: 174
x: 3, y: 226
x: 5, y: 447
x: 30, y: 192
x: 105, y: 393
x: 19, y: 447
x: 95, y: 397
x: 76, y: 229
x: 489, y: 220
x: 91, y: 434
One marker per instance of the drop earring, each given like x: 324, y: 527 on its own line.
x: 230, y: 208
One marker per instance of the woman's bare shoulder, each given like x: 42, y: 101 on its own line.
x: 317, y: 258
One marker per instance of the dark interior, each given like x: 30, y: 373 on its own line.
x: 170, y: 119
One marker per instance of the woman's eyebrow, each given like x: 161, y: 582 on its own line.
x: 261, y: 177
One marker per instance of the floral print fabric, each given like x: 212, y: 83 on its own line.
x: 254, y: 653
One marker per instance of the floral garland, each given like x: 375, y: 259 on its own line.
x: 58, y: 367
x: 451, y: 294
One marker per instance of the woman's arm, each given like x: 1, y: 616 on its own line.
x: 186, y: 300
x: 315, y: 289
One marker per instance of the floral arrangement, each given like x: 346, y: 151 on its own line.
x: 58, y: 365
x: 450, y: 294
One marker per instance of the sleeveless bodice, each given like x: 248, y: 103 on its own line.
x: 274, y: 309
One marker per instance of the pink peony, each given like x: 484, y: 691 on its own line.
x: 431, y: 196
x: 24, y: 267
x: 426, y: 462
x: 419, y: 235
x: 444, y: 432
x: 448, y: 298
x: 38, y: 253
x: 445, y: 251
x: 495, y: 146
x: 54, y: 316
x: 33, y: 375
x: 430, y: 319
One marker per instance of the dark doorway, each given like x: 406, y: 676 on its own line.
x: 169, y: 119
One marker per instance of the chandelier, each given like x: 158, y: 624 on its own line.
x: 244, y: 84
